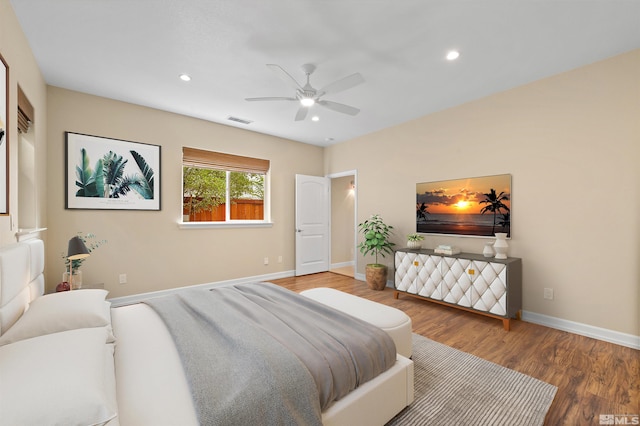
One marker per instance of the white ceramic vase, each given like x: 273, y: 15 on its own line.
x: 488, y: 249
x: 501, y: 246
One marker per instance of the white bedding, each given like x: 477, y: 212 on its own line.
x: 150, y: 384
x: 152, y: 389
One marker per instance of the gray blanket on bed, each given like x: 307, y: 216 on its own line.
x: 258, y: 354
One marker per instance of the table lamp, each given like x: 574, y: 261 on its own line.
x: 77, y: 250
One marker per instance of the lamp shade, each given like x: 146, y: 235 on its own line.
x: 77, y: 249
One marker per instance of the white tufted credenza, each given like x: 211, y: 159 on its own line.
x: 488, y: 286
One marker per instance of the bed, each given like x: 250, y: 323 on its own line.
x: 69, y: 358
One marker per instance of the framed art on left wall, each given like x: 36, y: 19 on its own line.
x: 111, y: 174
x: 4, y: 140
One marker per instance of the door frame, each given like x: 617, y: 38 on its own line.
x: 353, y: 173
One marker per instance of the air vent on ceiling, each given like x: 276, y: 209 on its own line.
x: 239, y: 120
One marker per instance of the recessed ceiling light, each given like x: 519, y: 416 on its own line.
x: 315, y: 118
x: 185, y: 77
x: 453, y: 55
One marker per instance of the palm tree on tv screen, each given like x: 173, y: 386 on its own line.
x: 494, y: 203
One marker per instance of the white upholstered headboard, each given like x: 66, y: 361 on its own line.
x: 21, y: 279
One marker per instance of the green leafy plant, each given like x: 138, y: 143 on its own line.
x: 90, y: 182
x: 107, y: 179
x: 415, y: 237
x: 91, y: 243
x: 376, y: 237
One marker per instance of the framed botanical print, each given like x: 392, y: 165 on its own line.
x: 113, y: 174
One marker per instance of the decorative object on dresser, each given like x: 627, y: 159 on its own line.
x: 414, y: 241
x: 500, y: 246
x: 466, y: 281
x: 488, y: 250
x: 376, y: 241
x: 446, y: 249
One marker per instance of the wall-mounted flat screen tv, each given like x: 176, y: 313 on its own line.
x: 479, y: 206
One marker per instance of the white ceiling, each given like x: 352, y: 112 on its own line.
x: 134, y: 51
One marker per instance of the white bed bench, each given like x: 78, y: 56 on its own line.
x: 395, y: 322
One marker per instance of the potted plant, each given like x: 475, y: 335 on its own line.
x: 413, y: 241
x: 376, y: 241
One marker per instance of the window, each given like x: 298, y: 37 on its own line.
x: 224, y: 188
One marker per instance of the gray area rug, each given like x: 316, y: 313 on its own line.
x: 457, y: 388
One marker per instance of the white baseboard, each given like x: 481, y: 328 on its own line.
x: 342, y: 264
x: 137, y: 298
x: 611, y: 336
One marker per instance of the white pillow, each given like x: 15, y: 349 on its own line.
x: 58, y: 379
x: 62, y: 311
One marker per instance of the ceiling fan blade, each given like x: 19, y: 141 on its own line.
x: 285, y: 76
x: 343, y: 84
x: 302, y: 113
x: 335, y: 106
x: 270, y: 98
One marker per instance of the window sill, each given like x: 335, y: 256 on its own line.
x: 213, y: 225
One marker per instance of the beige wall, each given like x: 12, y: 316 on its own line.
x: 572, y: 145
x: 23, y: 71
x: 148, y: 246
x: 342, y: 220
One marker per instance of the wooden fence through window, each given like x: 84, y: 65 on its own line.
x: 239, y: 210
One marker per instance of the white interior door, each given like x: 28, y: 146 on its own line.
x: 312, y: 224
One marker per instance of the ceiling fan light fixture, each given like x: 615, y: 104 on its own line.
x: 452, y: 55
x: 307, y: 102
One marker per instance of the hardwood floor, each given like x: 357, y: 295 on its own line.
x: 593, y: 377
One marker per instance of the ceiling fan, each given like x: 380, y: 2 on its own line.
x: 307, y: 96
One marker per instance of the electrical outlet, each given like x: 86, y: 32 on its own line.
x: 548, y: 293
x: 123, y: 278
x: 279, y: 259
x: 266, y: 260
